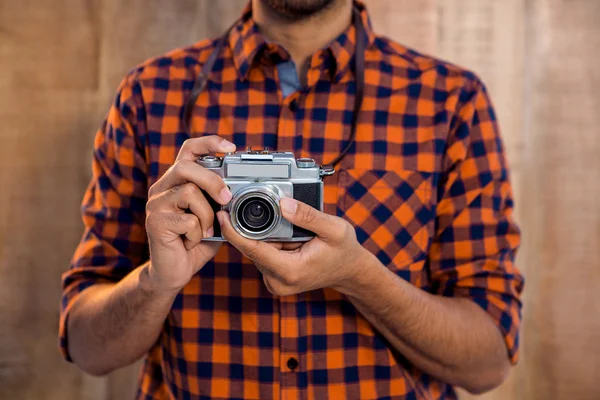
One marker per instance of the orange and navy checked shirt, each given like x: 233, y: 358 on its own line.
x: 426, y: 186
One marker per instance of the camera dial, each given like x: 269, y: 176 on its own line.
x: 210, y: 161
x: 306, y: 163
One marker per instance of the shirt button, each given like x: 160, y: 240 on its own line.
x: 292, y: 363
x: 294, y: 105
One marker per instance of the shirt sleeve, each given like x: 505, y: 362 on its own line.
x: 473, y: 252
x: 113, y: 208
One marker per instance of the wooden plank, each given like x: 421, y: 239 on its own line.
x: 217, y: 16
x: 48, y: 45
x: 487, y: 38
x: 43, y: 174
x: 411, y: 23
x: 151, y: 28
x: 561, y: 189
x: 147, y: 29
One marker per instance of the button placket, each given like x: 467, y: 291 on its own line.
x: 287, y: 126
x: 289, y: 331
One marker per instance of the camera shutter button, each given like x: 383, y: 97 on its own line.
x: 306, y: 163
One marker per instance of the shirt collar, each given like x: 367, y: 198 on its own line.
x: 246, y: 43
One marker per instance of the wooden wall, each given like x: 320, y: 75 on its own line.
x: 61, y: 61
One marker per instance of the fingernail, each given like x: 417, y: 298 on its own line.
x: 228, y: 146
x: 210, y: 232
x: 289, y: 205
x: 220, y: 218
x: 226, y: 195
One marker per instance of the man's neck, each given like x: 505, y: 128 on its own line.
x: 303, y: 38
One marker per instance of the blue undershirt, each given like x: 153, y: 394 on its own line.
x: 288, y: 78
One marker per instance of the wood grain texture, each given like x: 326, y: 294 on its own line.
x: 60, y: 63
x: 43, y: 156
x: 164, y: 25
x: 412, y: 23
x: 487, y: 37
x: 49, y: 45
x: 562, y: 180
x: 153, y: 27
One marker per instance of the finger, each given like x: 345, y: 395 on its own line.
x: 185, y: 171
x: 196, y: 147
x: 167, y: 227
x: 259, y: 252
x: 285, y: 246
x: 192, y: 199
x: 305, y: 216
x: 276, y: 245
x: 292, y: 246
x: 186, y: 198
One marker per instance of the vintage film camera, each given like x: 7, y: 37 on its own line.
x: 258, y: 179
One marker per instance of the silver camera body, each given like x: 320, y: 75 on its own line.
x: 258, y: 180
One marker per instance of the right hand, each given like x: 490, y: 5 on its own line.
x: 178, y: 215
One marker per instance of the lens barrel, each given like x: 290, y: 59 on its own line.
x: 255, y: 212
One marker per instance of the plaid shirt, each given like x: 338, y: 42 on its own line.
x: 426, y: 186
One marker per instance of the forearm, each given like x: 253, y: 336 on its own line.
x: 450, y: 338
x: 112, y: 325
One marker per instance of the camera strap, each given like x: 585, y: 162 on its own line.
x: 359, y: 73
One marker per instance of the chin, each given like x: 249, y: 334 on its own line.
x: 297, y: 9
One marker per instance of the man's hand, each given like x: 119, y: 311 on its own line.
x: 178, y: 215
x: 331, y: 259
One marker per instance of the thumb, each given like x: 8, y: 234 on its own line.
x: 307, y: 217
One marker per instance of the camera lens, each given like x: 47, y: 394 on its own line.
x: 255, y: 211
x: 256, y: 214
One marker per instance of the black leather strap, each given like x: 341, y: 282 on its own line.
x: 201, y: 82
x: 359, y: 73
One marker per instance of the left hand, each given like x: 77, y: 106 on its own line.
x: 332, y: 259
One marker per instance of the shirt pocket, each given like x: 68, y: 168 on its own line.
x: 392, y: 212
